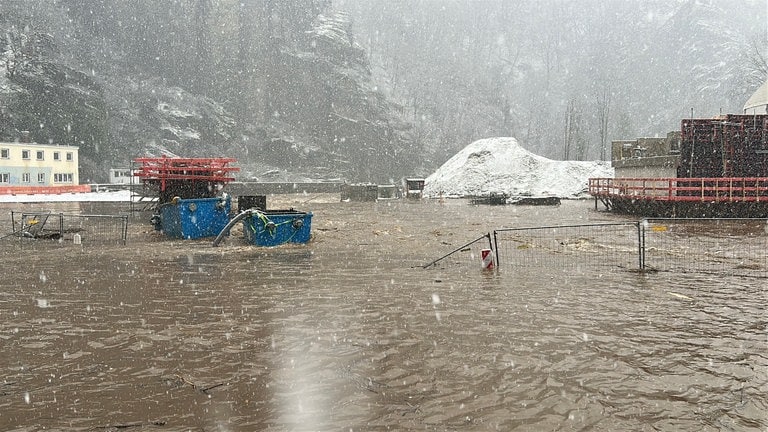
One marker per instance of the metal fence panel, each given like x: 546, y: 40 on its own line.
x: 70, y: 228
x: 736, y: 247
x: 728, y: 247
x: 570, y: 248
x: 466, y: 255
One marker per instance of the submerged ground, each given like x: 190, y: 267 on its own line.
x: 350, y: 333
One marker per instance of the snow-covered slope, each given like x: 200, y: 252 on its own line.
x: 501, y: 165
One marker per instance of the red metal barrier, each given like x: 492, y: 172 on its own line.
x: 43, y: 190
x: 703, y: 189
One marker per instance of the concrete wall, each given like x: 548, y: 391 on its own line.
x: 360, y: 192
x: 258, y: 188
x: 646, y: 157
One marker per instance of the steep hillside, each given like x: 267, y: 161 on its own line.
x: 81, y: 88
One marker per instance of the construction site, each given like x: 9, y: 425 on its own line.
x: 712, y: 167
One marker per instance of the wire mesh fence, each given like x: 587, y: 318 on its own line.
x: 570, y: 248
x: 468, y: 254
x: 69, y: 228
x: 736, y: 247
x: 728, y: 247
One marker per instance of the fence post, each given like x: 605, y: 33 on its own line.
x: 495, y: 247
x: 125, y: 229
x: 641, y: 242
x: 61, y: 225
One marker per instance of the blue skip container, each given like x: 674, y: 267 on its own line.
x: 276, y: 227
x: 195, y: 218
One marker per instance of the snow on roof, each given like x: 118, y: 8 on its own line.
x: 501, y: 165
x: 758, y: 103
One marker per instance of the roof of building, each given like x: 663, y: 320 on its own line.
x: 759, y: 98
x: 36, y: 144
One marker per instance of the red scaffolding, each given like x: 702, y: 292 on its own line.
x: 185, y: 177
x: 733, y: 145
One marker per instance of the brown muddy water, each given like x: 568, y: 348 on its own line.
x: 349, y: 333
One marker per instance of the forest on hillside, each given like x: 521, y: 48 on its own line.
x: 367, y: 90
x: 563, y: 77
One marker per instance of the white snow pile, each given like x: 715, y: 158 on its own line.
x: 501, y: 165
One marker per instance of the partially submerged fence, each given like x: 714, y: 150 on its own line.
x: 719, y: 246
x: 465, y: 254
x: 570, y: 247
x: 75, y: 228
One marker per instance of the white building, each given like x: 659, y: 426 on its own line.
x: 32, y: 164
x: 121, y: 176
x: 758, y: 103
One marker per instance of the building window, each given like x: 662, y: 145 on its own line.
x: 56, y: 156
x: 70, y: 157
x: 25, y: 178
x: 41, y: 177
x: 5, y: 178
x: 25, y: 154
x: 62, y: 178
x: 40, y: 155
x: 5, y: 153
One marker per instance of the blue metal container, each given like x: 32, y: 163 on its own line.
x: 195, y: 218
x: 276, y: 227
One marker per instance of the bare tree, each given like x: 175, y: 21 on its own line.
x: 757, y: 62
x: 603, y: 112
x: 570, y: 128
x: 202, y: 43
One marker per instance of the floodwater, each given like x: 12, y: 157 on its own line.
x: 350, y: 333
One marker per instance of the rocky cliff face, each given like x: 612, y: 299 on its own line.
x: 56, y: 104
x: 325, y: 118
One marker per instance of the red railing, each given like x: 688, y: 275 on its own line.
x: 709, y: 189
x: 166, y: 169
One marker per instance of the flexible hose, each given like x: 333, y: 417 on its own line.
x: 236, y: 219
